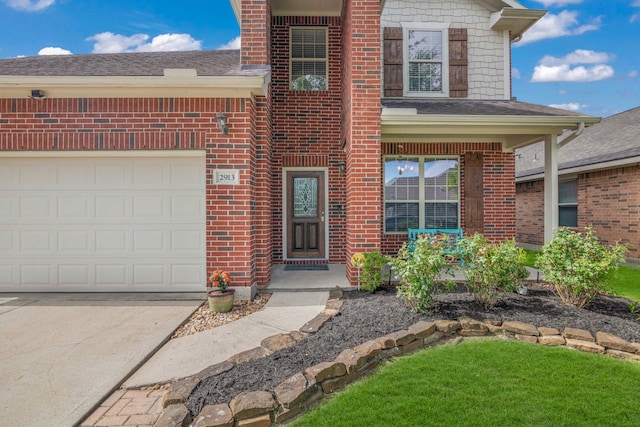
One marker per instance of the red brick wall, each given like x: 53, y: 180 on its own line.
x: 361, y: 101
x: 498, y: 180
x: 162, y: 124
x: 264, y: 186
x: 254, y: 31
x: 609, y: 201
x: 306, y: 129
x: 530, y: 212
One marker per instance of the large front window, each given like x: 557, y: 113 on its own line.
x: 421, y: 192
x: 426, y: 52
x: 308, y: 61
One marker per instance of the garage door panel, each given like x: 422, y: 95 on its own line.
x: 71, y: 173
x: 78, y: 275
x: 111, y: 241
x: 100, y: 224
x: 37, y: 274
x: 74, y: 207
x: 36, y: 207
x: 145, y: 207
x: 150, y: 174
x: 36, y: 242
x: 112, y: 174
x: 77, y: 242
x: 112, y: 206
x: 186, y: 207
x: 111, y: 275
x: 148, y: 275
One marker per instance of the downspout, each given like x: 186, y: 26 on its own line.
x: 573, y: 136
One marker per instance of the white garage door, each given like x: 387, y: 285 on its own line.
x: 102, y: 222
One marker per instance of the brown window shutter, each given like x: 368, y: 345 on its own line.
x: 393, y: 62
x: 473, y: 194
x: 458, y: 63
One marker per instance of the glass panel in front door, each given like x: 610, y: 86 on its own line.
x: 305, y: 197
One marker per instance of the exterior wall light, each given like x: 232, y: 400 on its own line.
x: 37, y: 94
x: 222, y: 123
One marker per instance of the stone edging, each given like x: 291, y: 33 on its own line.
x: 302, y: 390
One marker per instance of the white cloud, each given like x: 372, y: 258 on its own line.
x: 578, y: 56
x: 515, y: 73
x: 115, y: 43
x: 571, y: 106
x: 563, y: 24
x: 564, y: 73
x: 54, y: 51
x: 233, y: 44
x: 170, y: 42
x: 634, y: 18
x: 635, y: 3
x: 633, y: 74
x: 559, y: 3
x: 552, y: 69
x: 29, y: 5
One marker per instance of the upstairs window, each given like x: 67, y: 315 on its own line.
x: 426, y: 52
x: 308, y: 61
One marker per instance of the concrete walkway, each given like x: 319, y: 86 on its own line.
x: 186, y: 356
x: 61, y: 354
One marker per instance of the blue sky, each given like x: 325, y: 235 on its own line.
x: 583, y: 56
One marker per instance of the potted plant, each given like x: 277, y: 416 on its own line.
x: 218, y: 293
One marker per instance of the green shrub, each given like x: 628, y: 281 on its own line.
x: 420, y: 270
x: 491, y: 269
x: 578, y: 265
x: 372, y: 276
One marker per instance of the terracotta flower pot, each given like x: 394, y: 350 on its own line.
x: 221, y: 302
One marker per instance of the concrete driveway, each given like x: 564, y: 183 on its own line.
x: 61, y: 354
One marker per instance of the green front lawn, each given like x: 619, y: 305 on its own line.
x: 625, y: 282
x: 489, y: 383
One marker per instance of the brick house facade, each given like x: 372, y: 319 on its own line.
x: 300, y: 174
x: 599, y: 174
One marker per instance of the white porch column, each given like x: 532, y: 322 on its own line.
x: 550, y: 186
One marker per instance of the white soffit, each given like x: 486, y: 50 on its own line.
x: 306, y: 7
x: 517, y: 21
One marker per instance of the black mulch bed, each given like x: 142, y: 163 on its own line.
x: 367, y: 316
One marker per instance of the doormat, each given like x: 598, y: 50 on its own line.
x: 306, y: 267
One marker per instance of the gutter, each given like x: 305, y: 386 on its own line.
x: 573, y: 136
x: 135, y: 86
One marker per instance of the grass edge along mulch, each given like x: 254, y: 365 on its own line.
x: 489, y: 382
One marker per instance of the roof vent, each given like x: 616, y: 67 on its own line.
x: 180, y: 72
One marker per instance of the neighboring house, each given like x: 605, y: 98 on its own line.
x: 116, y: 175
x: 599, y: 184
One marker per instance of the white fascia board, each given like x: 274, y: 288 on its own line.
x: 137, y: 86
x: 458, y: 121
x: 629, y: 161
x: 236, y: 5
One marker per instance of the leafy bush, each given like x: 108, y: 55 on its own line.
x: 372, y: 276
x: 420, y: 270
x: 491, y: 269
x: 578, y: 265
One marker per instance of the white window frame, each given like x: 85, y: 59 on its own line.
x: 565, y: 204
x: 421, y: 190
x: 292, y: 60
x: 426, y: 26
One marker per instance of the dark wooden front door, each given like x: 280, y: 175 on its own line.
x: 305, y: 214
